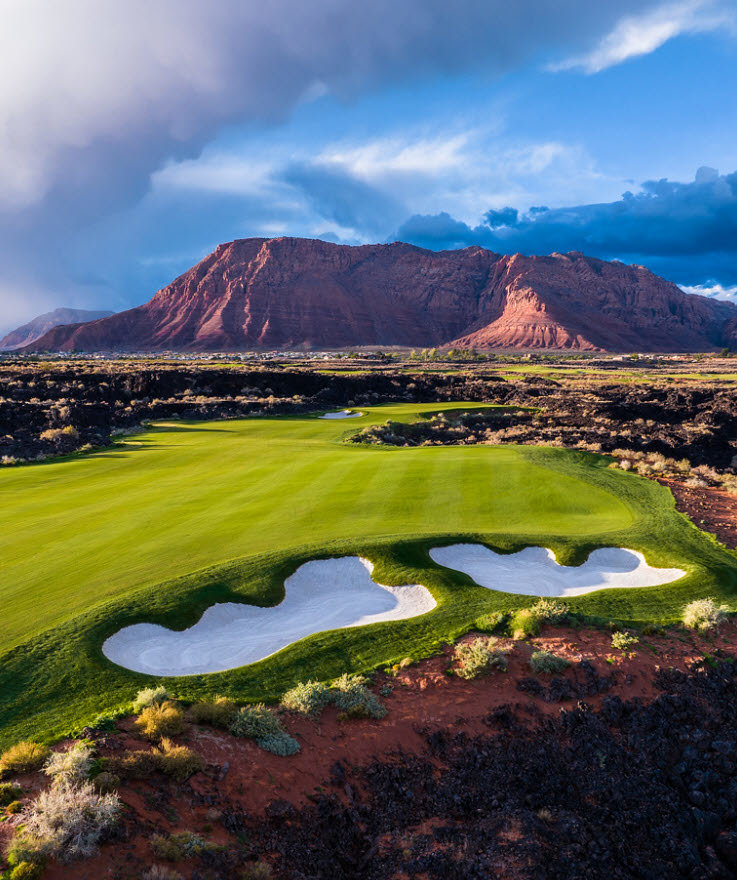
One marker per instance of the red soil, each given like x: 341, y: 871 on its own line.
x: 240, y: 775
x: 712, y: 510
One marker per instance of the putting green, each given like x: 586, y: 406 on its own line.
x: 170, y: 521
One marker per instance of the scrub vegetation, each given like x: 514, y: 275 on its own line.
x: 175, y: 519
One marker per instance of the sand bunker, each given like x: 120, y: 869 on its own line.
x: 535, y: 571
x: 321, y: 595
x: 343, y: 414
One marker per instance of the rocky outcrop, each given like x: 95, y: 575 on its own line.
x: 298, y: 293
x: 36, y: 328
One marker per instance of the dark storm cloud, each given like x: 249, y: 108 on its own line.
x: 341, y: 198
x: 686, y: 231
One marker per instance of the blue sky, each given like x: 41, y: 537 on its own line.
x: 130, y: 147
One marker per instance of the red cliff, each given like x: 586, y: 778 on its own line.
x: 289, y: 293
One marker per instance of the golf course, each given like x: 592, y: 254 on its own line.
x: 168, y: 522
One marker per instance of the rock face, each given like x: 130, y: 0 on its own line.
x: 297, y: 293
x: 35, y: 329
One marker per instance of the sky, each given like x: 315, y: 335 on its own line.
x: 135, y: 137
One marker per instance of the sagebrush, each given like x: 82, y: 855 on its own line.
x: 704, y: 615
x: 479, y: 656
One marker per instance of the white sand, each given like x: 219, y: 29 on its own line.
x: 343, y: 414
x: 535, y: 571
x: 321, y: 595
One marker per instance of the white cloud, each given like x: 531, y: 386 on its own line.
x: 94, y: 91
x: 636, y: 35
x: 716, y: 291
x: 401, y: 155
x: 465, y: 171
x: 216, y: 173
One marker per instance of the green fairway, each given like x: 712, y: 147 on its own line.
x: 170, y: 521
x: 182, y: 497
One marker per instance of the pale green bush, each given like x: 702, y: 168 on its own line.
x: 64, y: 822
x: 478, y: 656
x: 623, y: 641
x: 151, y: 697
x: 546, y: 662
x: 180, y: 845
x: 261, y: 724
x: 307, y: 698
x: 524, y: 623
x: 704, y: 614
x: 73, y: 765
x: 354, y: 699
x: 550, y: 610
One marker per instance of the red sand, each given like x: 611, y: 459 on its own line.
x: 424, y: 696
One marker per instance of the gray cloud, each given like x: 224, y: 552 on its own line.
x: 96, y: 94
x: 340, y: 198
x: 687, y: 231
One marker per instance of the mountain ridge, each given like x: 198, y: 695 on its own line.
x: 34, y: 329
x: 261, y: 293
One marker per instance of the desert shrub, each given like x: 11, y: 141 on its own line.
x: 56, y: 434
x: 255, y: 722
x: 701, y: 614
x: 105, y: 782
x: 217, y: 713
x: 179, y: 762
x: 64, y: 822
x: 161, y: 719
x: 623, y: 641
x: 181, y: 845
x: 524, y: 623
x: 106, y: 720
x: 9, y: 792
x: 478, y: 656
x: 307, y: 698
x: 354, y: 700
x: 550, y: 610
x: 26, y: 871
x: 489, y: 623
x: 22, y: 848
x: 70, y: 766
x: 547, y: 662
x: 23, y: 757
x: 257, y: 871
x: 281, y: 744
x: 151, y: 697
x: 260, y: 723
x: 159, y: 872
x: 14, y: 807
x: 138, y: 764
